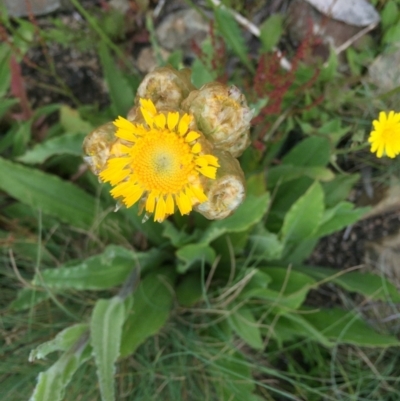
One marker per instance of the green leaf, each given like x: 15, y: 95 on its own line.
x: 264, y: 245
x: 233, y: 378
x: 72, y: 122
x: 286, y: 292
x: 287, y: 172
x: 63, y: 341
x: 232, y: 34
x: 339, y: 188
x: 152, y: 303
x: 27, y: 298
x: 6, y: 104
x: 288, y: 282
x: 256, y: 184
x: 177, y: 237
x: 49, y: 193
x: 312, y: 151
x: 340, y: 216
x: 105, y: 336
x: 244, y: 324
x: 190, y: 289
x: 192, y: 253
x: 99, y: 272
x: 296, y: 325
x: 200, y: 74
x: 347, y: 328
x: 389, y: 14
x: 250, y: 212
x: 121, y: 94
x: 5, y: 72
x: 392, y: 35
x: 21, y: 137
x: 370, y: 285
x: 270, y: 32
x: 70, y: 144
x: 52, y: 383
x: 303, y: 218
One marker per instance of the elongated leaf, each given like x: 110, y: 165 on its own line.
x: 287, y: 172
x: 190, y: 289
x: 6, y: 104
x: 233, y: 376
x: 121, y: 93
x: 242, y: 321
x: 193, y: 253
x: 70, y: 144
x: 370, y: 285
x: 63, y: 341
x: 47, y: 192
x: 152, y: 303
x: 264, y: 245
x: 72, y: 122
x: 105, y: 336
x: 98, y: 272
x: 340, y: 216
x: 270, y: 31
x: 52, y: 383
x: 346, y: 327
x: 303, y: 217
x: 250, y: 212
x: 5, y: 73
x: 233, y: 36
x: 338, y: 189
x: 313, y: 151
x: 27, y: 298
x: 293, y: 324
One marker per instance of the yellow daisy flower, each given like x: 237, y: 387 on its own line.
x: 159, y: 163
x: 385, y: 138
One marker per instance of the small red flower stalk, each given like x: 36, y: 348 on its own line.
x: 177, y: 148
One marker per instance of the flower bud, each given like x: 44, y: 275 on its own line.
x: 97, y: 146
x: 222, y: 114
x: 226, y: 192
x: 166, y: 87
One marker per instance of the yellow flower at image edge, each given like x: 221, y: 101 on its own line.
x: 385, y: 138
x: 159, y: 163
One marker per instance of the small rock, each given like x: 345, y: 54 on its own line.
x: 179, y: 29
x: 352, y: 12
x: 303, y: 20
x: 147, y: 60
x: 383, y: 71
x: 23, y: 8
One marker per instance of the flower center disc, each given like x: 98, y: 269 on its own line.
x: 162, y: 161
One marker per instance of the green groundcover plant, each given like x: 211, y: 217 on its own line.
x: 214, y: 267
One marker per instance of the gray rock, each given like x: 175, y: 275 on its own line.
x: 352, y: 12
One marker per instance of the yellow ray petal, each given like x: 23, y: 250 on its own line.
x: 199, y: 194
x: 118, y: 149
x: 148, y: 117
x: 170, y: 206
x: 124, y: 124
x: 134, y: 195
x: 184, y: 124
x: 211, y: 160
x: 160, y: 121
x: 151, y: 202
x: 160, y: 213
x: 183, y: 202
x: 192, y: 136
x: 148, y: 105
x: 196, y: 148
x: 208, y: 171
x: 172, y: 120
x: 121, y: 189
